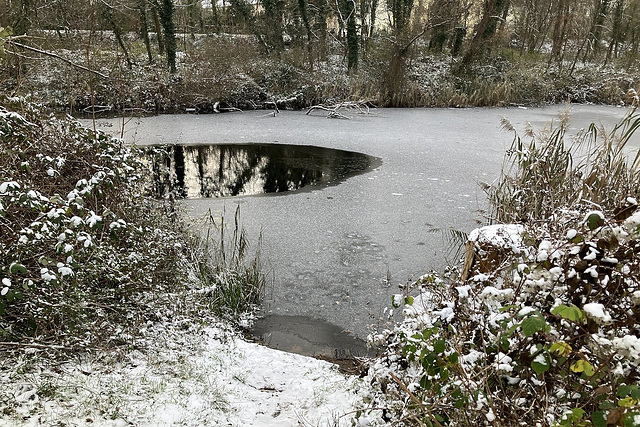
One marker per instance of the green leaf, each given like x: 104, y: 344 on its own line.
x: 599, y: 418
x: 10, y: 296
x: 630, y: 419
x: 17, y: 268
x: 425, y: 383
x: 571, y: 313
x: 426, y: 333
x: 623, y: 390
x: 627, y: 402
x: 533, y: 324
x: 606, y: 405
x: 578, y: 239
x: 439, y: 346
x: 538, y: 367
x: 507, y: 308
x: 577, y: 413
x: 504, y: 343
x: 46, y: 260
x: 408, y: 301
x: 561, y: 348
x: 595, y: 220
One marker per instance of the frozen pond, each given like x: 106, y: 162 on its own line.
x: 339, y: 253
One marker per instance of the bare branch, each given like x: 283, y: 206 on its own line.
x: 426, y: 28
x: 12, y: 42
x: 34, y: 345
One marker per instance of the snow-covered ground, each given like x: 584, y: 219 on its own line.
x: 190, y: 375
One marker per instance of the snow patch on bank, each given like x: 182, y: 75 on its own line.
x: 185, y: 377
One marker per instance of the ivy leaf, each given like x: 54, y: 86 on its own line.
x: 627, y: 402
x: 595, y: 220
x: 577, y: 413
x: 606, y: 405
x: 533, y: 324
x: 623, y: 390
x: 578, y: 239
x: 630, y: 419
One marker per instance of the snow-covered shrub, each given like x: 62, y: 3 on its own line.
x: 546, y: 333
x: 552, y: 336
x: 80, y: 248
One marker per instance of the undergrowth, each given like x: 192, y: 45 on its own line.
x: 85, y: 257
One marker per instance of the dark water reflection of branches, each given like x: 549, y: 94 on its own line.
x: 207, y: 171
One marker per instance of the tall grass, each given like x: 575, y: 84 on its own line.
x: 231, y: 275
x: 547, y: 173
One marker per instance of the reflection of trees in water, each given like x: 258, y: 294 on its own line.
x: 229, y: 170
x: 223, y: 171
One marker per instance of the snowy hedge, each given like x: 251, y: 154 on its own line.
x: 80, y: 248
x: 552, y: 336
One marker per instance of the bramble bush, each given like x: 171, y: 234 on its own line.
x: 79, y: 247
x: 545, y: 327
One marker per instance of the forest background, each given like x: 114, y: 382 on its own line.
x: 168, y: 56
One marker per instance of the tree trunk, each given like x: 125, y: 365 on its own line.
x: 559, y: 27
x: 348, y: 11
x: 156, y: 24
x: 117, y: 32
x: 144, y: 28
x: 21, y: 16
x: 273, y: 24
x: 459, y: 35
x: 372, y: 13
x: 485, y: 30
x: 394, y: 79
x: 302, y: 6
x: 401, y: 13
x: 321, y: 18
x: 166, y: 19
x: 616, y: 30
x: 439, y: 12
x: 595, y: 33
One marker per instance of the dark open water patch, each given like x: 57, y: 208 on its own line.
x: 223, y: 170
x: 309, y: 337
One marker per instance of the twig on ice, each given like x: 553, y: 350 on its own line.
x: 333, y: 112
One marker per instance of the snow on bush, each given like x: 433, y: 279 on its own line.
x: 79, y: 246
x: 545, y: 340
